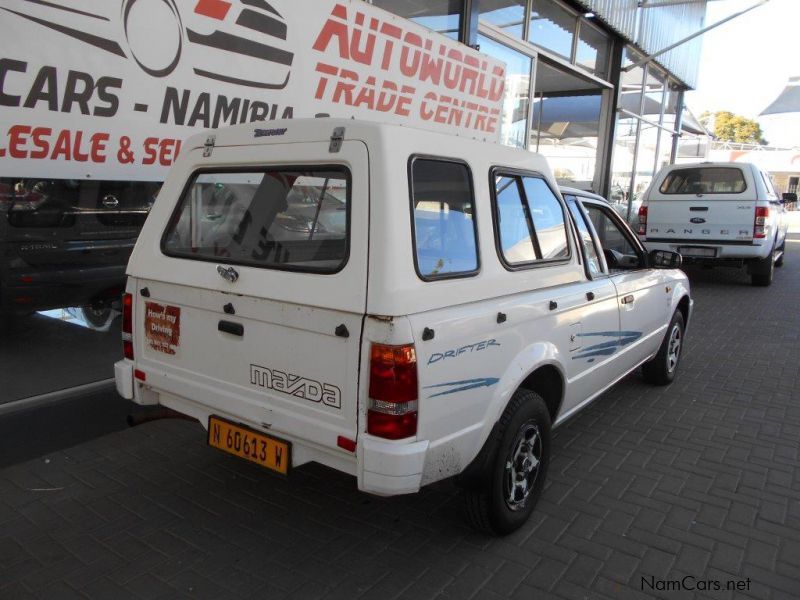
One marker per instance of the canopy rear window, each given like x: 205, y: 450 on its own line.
x: 705, y: 180
x: 283, y: 218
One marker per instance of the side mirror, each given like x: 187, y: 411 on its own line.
x: 664, y: 259
x: 617, y: 260
x: 789, y: 197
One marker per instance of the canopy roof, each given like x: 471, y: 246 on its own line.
x: 788, y: 101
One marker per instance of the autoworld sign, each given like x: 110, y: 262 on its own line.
x: 108, y: 89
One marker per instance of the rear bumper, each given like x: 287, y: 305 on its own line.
x: 390, y: 468
x: 724, y: 252
x: 123, y: 378
x: 381, y: 467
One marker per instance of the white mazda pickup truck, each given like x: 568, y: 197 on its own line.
x: 401, y: 305
x: 717, y: 214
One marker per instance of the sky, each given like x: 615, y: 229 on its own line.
x: 746, y: 62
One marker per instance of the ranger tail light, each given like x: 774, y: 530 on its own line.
x: 760, y: 224
x: 392, y: 411
x: 127, y: 326
x: 642, y: 220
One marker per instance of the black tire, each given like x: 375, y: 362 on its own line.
x: 762, y: 272
x: 96, y: 317
x: 663, y: 367
x: 782, y: 250
x: 507, y: 498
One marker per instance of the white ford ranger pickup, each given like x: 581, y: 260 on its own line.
x: 717, y: 214
x: 401, y: 305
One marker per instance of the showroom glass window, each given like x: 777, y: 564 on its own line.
x: 443, y: 16
x: 593, y: 49
x: 516, y: 102
x: 508, y: 15
x: 552, y: 27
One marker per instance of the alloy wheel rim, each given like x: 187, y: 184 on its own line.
x: 522, y: 466
x: 674, y: 349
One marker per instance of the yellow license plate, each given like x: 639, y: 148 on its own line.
x: 249, y: 444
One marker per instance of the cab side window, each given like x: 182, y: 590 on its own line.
x: 529, y: 221
x: 443, y: 212
x: 619, y: 250
x: 593, y: 263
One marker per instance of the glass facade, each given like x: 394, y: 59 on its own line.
x: 592, y: 52
x: 569, y: 106
x: 560, y: 88
x: 516, y: 102
x: 649, y: 103
x: 566, y: 124
x: 443, y: 16
x: 552, y: 27
x: 508, y: 15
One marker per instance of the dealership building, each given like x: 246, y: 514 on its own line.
x: 579, y: 86
x: 95, y: 103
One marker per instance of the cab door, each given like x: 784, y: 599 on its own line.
x: 642, y: 295
x: 594, y: 337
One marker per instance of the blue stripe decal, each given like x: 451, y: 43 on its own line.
x: 461, y: 386
x: 609, y: 347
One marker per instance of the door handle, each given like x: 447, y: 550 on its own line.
x: 628, y: 299
x: 590, y: 296
x: 231, y: 327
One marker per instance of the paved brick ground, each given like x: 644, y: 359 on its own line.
x: 698, y: 479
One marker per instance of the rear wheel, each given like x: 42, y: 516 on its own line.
x: 521, y: 448
x: 762, y: 271
x: 663, y: 367
x: 97, y: 316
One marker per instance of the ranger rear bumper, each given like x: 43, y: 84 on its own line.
x: 724, y: 251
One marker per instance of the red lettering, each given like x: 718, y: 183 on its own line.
x: 150, y: 153
x: 404, y: 101
x: 323, y: 81
x: 62, y: 146
x: 165, y: 156
x: 334, y: 29
x: 441, y: 110
x: 99, y: 147
x: 76, y: 148
x: 363, y: 55
x: 386, y: 99
x: 40, y: 140
x: 18, y: 137
x: 452, y: 70
x: 345, y: 89
x: 388, y: 48
x: 498, y: 84
x: 409, y: 63
x: 424, y: 112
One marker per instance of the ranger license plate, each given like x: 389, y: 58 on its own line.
x: 249, y: 444
x: 695, y: 251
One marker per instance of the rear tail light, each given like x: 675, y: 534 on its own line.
x: 127, y: 326
x: 760, y: 224
x: 642, y: 220
x: 392, y: 412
